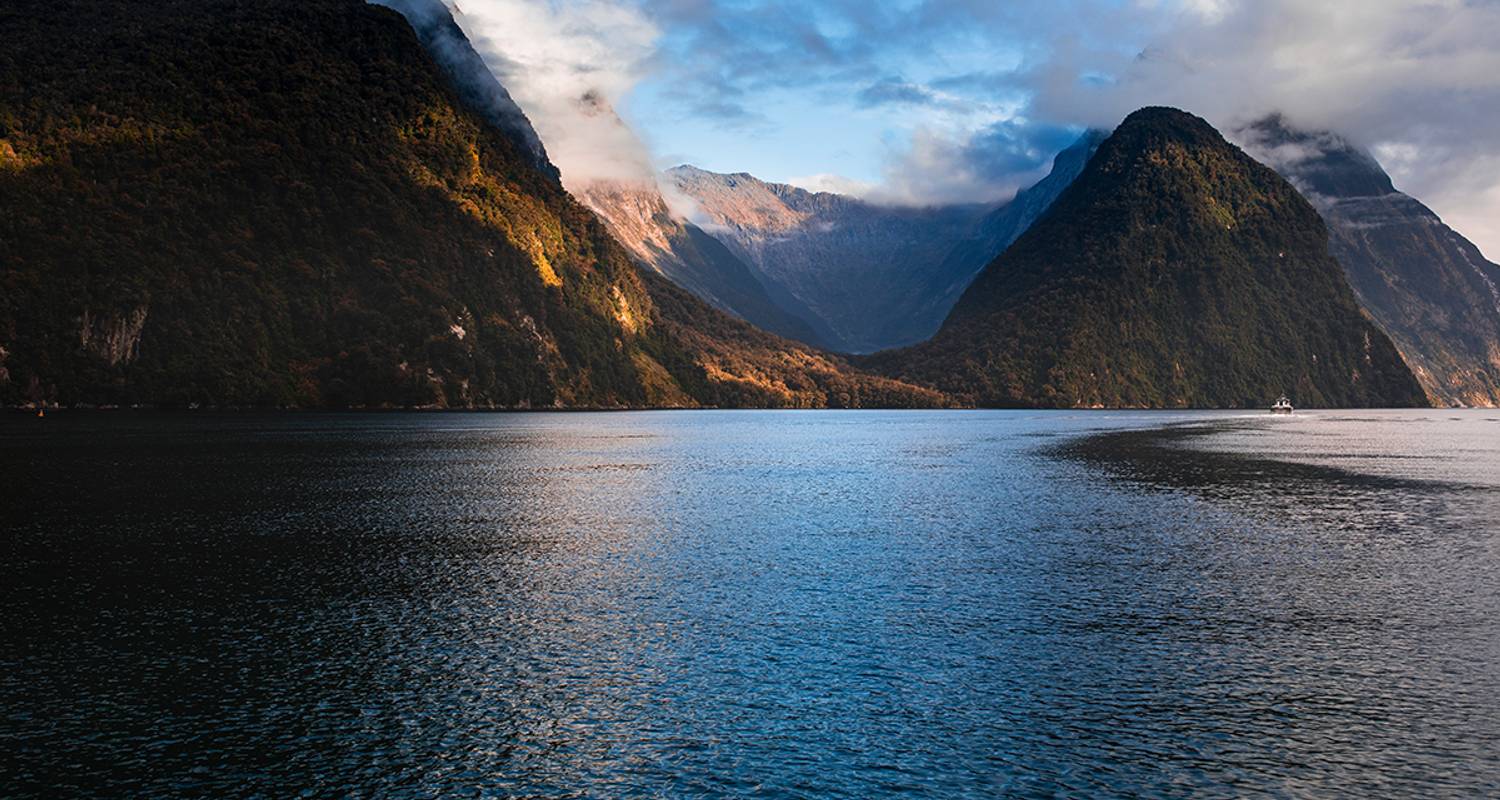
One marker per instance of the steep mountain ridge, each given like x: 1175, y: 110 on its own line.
x: 1423, y: 283
x: 288, y: 203
x: 1174, y: 271
x: 437, y: 27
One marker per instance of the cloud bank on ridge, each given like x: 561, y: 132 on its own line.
x: 967, y: 100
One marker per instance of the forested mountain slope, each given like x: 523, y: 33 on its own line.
x: 286, y: 203
x: 1175, y: 271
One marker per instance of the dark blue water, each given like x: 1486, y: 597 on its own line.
x: 784, y: 604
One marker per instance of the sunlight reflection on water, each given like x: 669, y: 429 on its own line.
x: 848, y: 604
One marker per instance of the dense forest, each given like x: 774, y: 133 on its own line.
x: 283, y: 203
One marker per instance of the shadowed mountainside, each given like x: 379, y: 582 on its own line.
x: 868, y: 276
x: 865, y: 272
x: 1425, y: 285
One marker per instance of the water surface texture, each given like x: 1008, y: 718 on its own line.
x: 783, y: 604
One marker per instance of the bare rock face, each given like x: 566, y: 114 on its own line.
x: 114, y: 337
x: 640, y: 219
x: 635, y: 213
x: 1422, y: 282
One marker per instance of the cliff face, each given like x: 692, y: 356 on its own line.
x: 1423, y: 283
x: 1175, y: 271
x: 289, y: 202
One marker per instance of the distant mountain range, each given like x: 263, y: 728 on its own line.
x: 1174, y: 271
x: 839, y: 272
x: 876, y: 276
x: 326, y: 203
x: 870, y: 274
x: 639, y: 218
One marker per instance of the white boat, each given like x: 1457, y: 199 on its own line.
x: 1283, y: 405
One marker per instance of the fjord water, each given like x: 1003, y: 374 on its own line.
x: 790, y: 604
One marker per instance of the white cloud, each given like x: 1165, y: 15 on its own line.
x: 567, y: 63
x: 828, y: 182
x: 935, y: 167
x: 1416, y: 82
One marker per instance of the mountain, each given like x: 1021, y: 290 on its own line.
x: 871, y: 276
x: 639, y: 218
x: 632, y: 206
x: 1174, y: 271
x: 290, y: 203
x: 863, y: 270
x: 1425, y: 285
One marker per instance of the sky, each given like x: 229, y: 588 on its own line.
x: 935, y: 101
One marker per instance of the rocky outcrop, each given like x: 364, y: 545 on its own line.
x: 114, y: 337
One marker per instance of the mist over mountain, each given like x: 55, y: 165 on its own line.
x: 290, y: 203
x: 1174, y: 271
x: 1428, y: 287
x: 436, y: 25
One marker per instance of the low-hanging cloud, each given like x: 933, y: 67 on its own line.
x: 1418, y: 83
x: 567, y: 64
x: 984, y: 166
